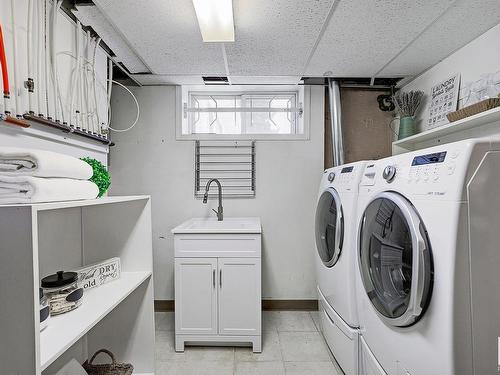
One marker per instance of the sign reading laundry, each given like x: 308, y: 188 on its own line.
x: 444, y: 99
x: 100, y: 273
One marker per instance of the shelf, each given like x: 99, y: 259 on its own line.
x: 79, y: 203
x: 66, y: 329
x: 468, y: 123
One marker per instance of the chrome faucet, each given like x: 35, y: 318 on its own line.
x: 220, y: 211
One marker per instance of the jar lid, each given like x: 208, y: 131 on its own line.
x: 59, y: 279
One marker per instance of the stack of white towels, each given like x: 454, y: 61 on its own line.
x: 35, y: 176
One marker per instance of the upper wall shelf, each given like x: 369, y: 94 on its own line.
x: 482, y: 124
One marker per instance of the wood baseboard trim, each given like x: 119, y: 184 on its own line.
x: 267, y: 305
x: 164, y: 305
x: 290, y: 304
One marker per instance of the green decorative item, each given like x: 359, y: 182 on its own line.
x: 101, y: 175
x: 407, y: 104
x: 407, y: 127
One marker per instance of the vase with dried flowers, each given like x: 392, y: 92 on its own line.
x: 407, y: 104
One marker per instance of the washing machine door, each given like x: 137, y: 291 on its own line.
x: 329, y: 227
x: 395, y: 259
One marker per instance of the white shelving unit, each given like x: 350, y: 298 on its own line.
x: 480, y: 125
x: 40, y: 239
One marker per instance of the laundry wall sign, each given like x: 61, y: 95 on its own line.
x: 444, y: 99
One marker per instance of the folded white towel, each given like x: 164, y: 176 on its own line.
x: 28, y: 189
x: 40, y: 163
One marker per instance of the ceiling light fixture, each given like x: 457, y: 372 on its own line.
x: 215, y: 18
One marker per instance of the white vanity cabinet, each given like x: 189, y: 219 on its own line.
x: 218, y: 282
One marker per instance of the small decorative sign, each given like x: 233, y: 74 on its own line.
x: 444, y: 99
x: 100, y: 273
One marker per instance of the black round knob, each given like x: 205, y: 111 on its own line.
x: 389, y: 173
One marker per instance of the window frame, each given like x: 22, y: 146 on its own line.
x: 182, y: 99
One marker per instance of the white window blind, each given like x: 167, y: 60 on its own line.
x: 231, y: 162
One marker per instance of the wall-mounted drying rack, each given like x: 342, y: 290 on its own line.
x: 68, y: 129
x: 232, y: 162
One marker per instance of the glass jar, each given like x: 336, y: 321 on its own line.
x: 62, y: 291
x: 44, y: 310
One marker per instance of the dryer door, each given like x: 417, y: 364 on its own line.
x: 395, y: 259
x: 329, y: 227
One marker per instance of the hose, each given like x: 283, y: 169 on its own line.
x: 30, y: 58
x: 5, y: 74
x: 98, y: 41
x: 39, y: 53
x: 46, y: 59
x: 14, y: 58
x: 74, y: 79
x: 136, y: 103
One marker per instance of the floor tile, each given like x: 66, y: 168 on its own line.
x: 270, y: 320
x: 207, y: 353
x: 259, y: 368
x: 295, y: 321
x: 271, y: 350
x: 316, y: 319
x: 164, y: 321
x: 310, y: 368
x: 195, y: 368
x: 303, y: 347
x: 165, y: 347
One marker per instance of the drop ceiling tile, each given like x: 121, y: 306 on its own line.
x: 89, y: 15
x: 265, y: 80
x: 158, y: 79
x: 166, y: 35
x: 464, y: 21
x: 364, y: 35
x: 274, y: 37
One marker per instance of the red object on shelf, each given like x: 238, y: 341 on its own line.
x: 3, y: 61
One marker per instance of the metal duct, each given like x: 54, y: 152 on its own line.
x: 336, y: 119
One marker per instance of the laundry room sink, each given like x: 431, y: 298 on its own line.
x: 228, y: 225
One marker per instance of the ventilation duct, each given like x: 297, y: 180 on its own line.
x: 336, y: 122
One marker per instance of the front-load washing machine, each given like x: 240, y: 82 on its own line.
x: 336, y: 256
x: 428, y: 258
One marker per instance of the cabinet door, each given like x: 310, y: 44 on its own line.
x: 196, y: 296
x: 239, y: 296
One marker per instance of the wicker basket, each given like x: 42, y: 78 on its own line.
x: 482, y: 106
x: 108, y: 369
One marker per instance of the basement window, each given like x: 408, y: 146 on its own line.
x: 251, y: 112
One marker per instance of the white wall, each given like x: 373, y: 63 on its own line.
x: 148, y: 160
x: 480, y: 56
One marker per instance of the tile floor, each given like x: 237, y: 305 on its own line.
x: 292, y: 345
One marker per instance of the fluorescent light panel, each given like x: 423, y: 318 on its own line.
x: 215, y: 18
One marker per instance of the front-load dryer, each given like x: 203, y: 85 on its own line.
x: 428, y: 259
x: 336, y: 255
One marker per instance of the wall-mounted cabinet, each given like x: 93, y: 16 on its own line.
x: 41, y: 239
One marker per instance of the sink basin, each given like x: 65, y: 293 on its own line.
x: 228, y: 225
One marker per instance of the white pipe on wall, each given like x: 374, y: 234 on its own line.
x: 94, y: 78
x: 53, y: 59
x: 74, y: 81
x: 46, y: 58
x: 14, y: 59
x: 80, y: 79
x: 29, y: 50
x: 39, y: 49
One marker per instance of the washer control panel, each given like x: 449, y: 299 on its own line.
x: 432, y: 167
